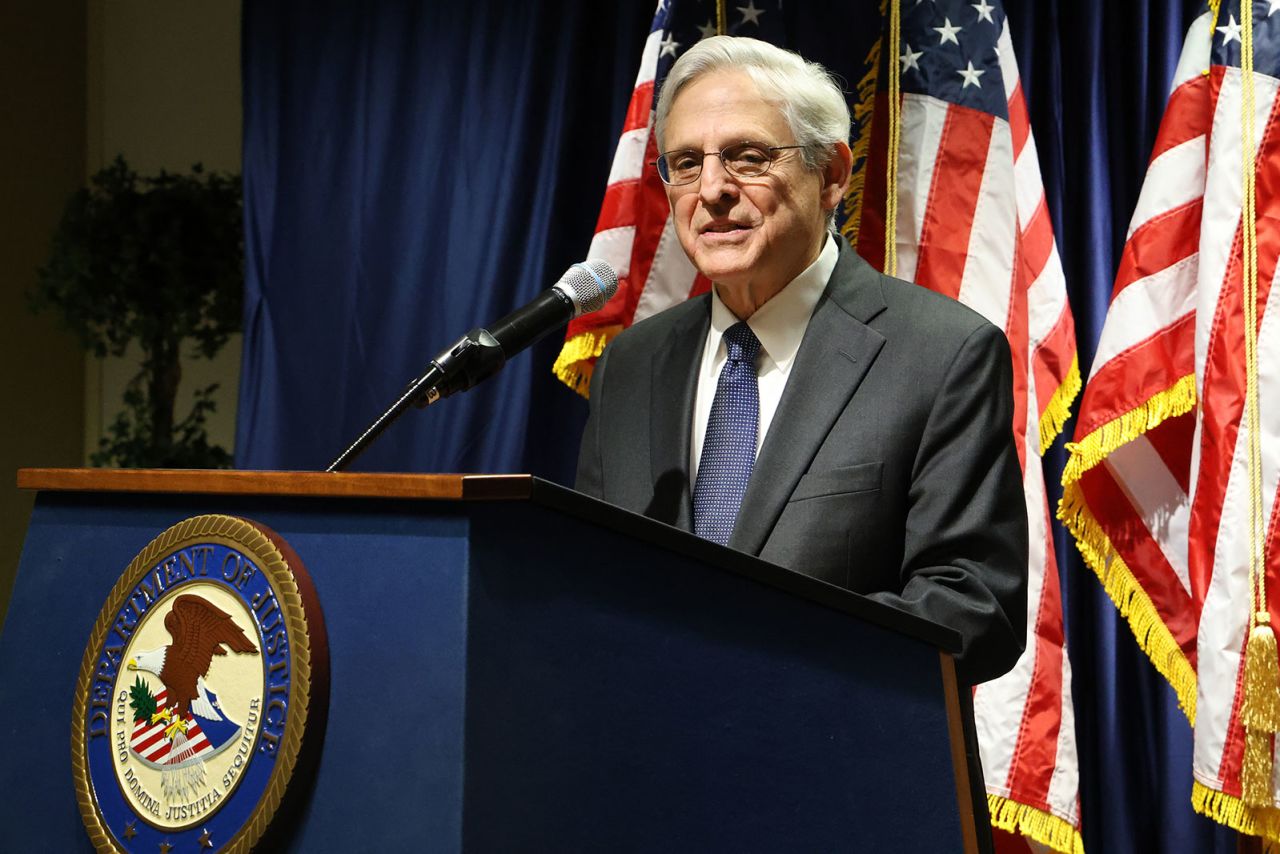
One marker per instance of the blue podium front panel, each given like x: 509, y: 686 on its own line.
x: 391, y: 579
x: 625, y: 698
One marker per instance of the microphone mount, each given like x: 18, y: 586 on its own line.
x: 475, y: 357
x: 481, y: 353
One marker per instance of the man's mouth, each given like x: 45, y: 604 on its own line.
x: 723, y: 228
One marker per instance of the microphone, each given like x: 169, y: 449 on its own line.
x: 584, y: 288
x: 482, y: 352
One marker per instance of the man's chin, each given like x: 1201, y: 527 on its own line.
x: 723, y: 263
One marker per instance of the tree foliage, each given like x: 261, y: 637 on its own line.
x: 156, y: 260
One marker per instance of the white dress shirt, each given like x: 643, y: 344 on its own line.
x: 780, y: 325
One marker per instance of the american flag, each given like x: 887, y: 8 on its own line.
x: 1157, y: 489
x: 972, y: 223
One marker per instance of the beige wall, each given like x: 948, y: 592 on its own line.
x: 164, y: 91
x: 42, y: 151
x: 155, y: 80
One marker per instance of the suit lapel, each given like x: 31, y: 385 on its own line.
x: 674, y: 384
x: 837, y: 350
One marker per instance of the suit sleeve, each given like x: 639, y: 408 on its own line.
x: 590, y: 477
x: 965, y: 555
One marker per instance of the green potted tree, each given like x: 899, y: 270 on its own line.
x: 156, y: 260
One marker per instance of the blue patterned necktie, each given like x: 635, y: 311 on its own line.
x: 729, y: 450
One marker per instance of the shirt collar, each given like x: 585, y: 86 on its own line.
x: 780, y: 323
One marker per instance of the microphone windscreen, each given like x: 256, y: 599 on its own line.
x: 589, y: 285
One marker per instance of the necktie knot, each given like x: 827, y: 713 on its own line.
x: 742, y: 343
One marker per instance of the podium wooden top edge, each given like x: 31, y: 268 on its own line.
x: 487, y: 487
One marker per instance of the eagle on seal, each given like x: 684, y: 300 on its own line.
x: 199, y: 630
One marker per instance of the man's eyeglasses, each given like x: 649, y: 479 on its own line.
x: 744, y: 160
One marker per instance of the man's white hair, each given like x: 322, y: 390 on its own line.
x: 808, y: 95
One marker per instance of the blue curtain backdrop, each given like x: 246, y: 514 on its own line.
x: 415, y: 169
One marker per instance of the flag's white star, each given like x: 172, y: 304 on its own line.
x: 669, y: 46
x: 708, y: 29
x: 909, y: 57
x: 984, y: 11
x: 947, y: 33
x: 750, y: 13
x: 970, y: 76
x: 1275, y: 4
x: 1230, y: 32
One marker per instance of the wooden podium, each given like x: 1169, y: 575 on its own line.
x: 517, y: 667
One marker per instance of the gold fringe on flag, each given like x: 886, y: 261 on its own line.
x: 1059, y: 408
x: 1133, y: 602
x: 1044, y: 827
x: 1178, y: 399
x: 863, y: 117
x: 575, y: 363
x: 1235, y: 813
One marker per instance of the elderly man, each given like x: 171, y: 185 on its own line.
x: 810, y: 410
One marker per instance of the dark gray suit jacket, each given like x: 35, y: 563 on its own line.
x: 889, y: 468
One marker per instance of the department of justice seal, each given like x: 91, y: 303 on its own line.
x: 204, y: 679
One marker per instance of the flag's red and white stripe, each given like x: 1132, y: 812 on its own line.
x: 1157, y: 490
x: 634, y: 231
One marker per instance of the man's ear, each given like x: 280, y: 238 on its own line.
x: 835, y: 175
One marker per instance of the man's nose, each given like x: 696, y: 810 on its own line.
x: 715, y: 182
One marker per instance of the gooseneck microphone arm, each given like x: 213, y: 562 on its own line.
x: 481, y: 353
x: 476, y: 357
x: 416, y: 390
